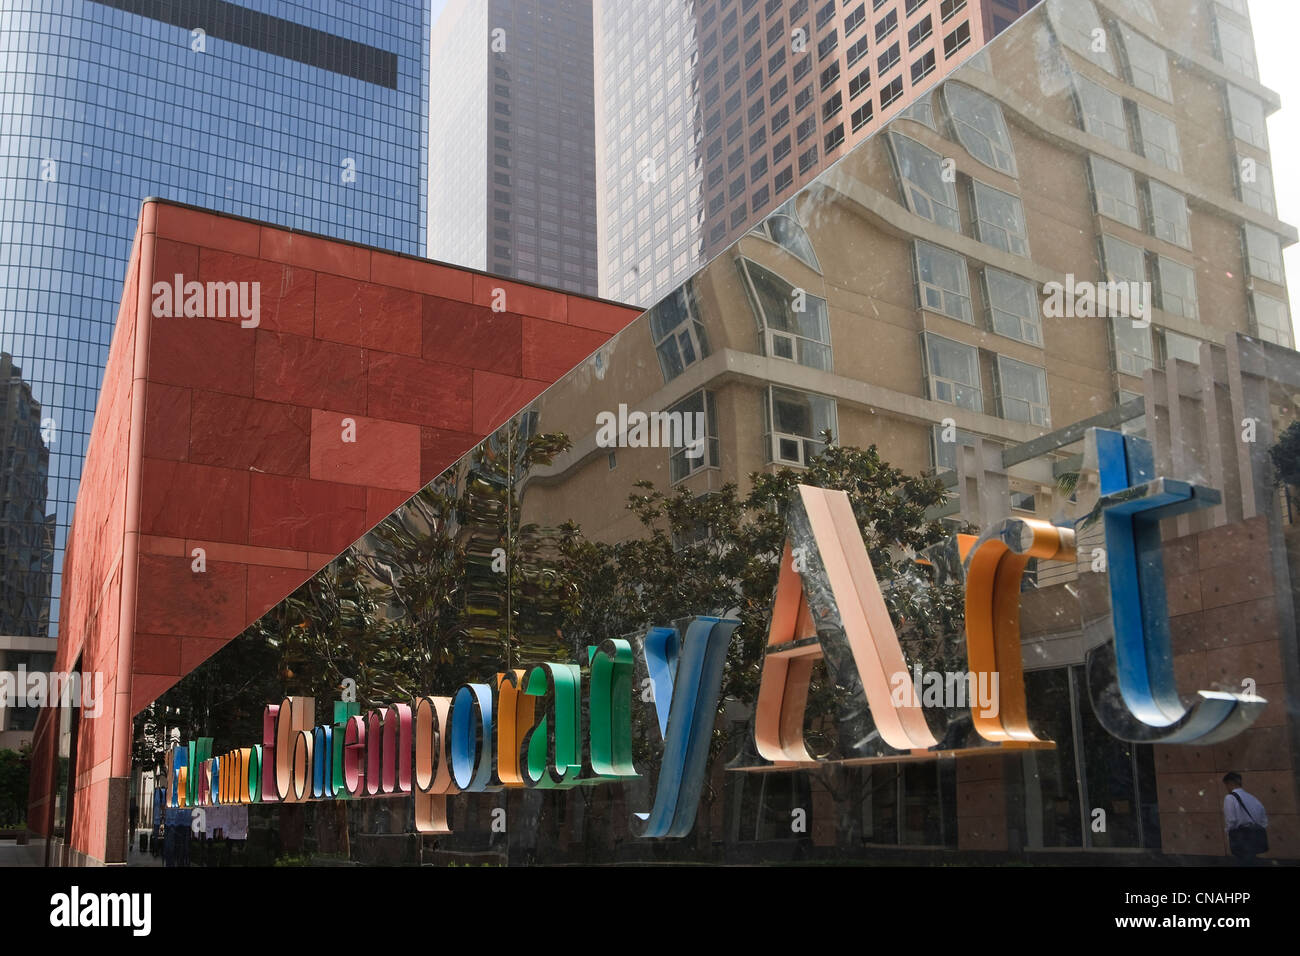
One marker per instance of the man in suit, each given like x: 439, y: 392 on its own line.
x: 1245, y: 820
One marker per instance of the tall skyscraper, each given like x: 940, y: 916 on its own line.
x: 307, y: 114
x: 512, y: 166
x: 26, y: 529
x: 713, y: 113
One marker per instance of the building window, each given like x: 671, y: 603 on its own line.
x: 1272, y: 320
x: 829, y: 75
x: 1177, y: 288
x: 923, y: 67
x: 781, y: 118
x: 1148, y: 66
x: 948, y: 7
x: 1247, y: 113
x: 1236, y: 48
x: 794, y: 424
x: 1022, y: 392
x: 980, y: 126
x: 679, y: 336
x: 886, y: 25
x: 1101, y: 112
x: 806, y: 128
x: 953, y: 372
x: 1181, y: 347
x: 834, y: 137
x: 783, y: 179
x: 859, y: 83
x: 757, y: 168
x: 1114, y: 191
x: 808, y: 160
x: 1132, y: 344
x: 942, y: 281
x: 832, y: 105
x: 826, y: 14
x: 783, y: 228
x: 803, y: 98
x: 1000, y: 219
x: 919, y: 32
x: 1013, y: 306
x: 1122, y: 261
x: 778, y: 89
x: 887, y: 60
x: 925, y: 190
x: 892, y: 91
x: 1167, y: 211
x: 758, y: 138
x: 1158, y: 137
x: 1078, y: 28
x: 861, y: 116
x: 702, y: 451
x: 921, y: 111
x: 781, y: 150
x: 788, y: 332
x: 855, y: 18
x: 1263, y: 253
x: 955, y: 40
x: 856, y: 52
x: 827, y: 43
x: 1255, y: 185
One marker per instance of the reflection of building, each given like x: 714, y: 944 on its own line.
x: 307, y: 118
x: 511, y: 130
x: 26, y: 532
x: 908, y: 288
x: 710, y: 115
x: 904, y: 300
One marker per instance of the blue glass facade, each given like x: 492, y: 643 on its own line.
x: 310, y: 115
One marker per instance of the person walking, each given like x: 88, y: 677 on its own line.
x: 1245, y: 820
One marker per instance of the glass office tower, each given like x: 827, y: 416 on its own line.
x: 512, y: 133
x: 311, y: 115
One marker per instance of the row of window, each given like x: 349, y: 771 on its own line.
x: 931, y: 193
x: 953, y: 376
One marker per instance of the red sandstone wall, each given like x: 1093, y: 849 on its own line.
x: 1224, y: 624
x: 241, y: 439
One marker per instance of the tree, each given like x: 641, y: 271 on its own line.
x: 15, y: 780
x: 1286, y: 456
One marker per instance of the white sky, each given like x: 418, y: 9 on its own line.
x: 1274, y: 23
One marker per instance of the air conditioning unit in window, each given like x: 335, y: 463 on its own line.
x: 781, y: 345
x: 787, y: 449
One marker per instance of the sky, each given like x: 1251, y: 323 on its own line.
x: 1274, y: 23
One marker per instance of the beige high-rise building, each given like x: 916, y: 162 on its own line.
x: 710, y: 114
